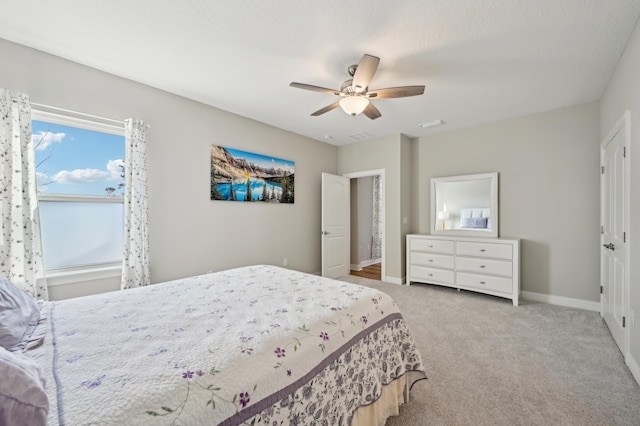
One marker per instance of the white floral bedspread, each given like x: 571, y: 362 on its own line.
x: 252, y: 345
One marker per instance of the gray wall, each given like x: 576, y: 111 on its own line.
x: 623, y: 94
x: 549, y: 186
x: 190, y: 234
x: 383, y: 153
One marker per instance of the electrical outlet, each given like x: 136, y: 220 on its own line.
x: 285, y: 261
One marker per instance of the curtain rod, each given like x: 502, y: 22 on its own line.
x: 120, y: 122
x: 77, y: 113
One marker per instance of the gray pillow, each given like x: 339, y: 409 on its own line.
x: 19, y: 313
x: 23, y: 400
x: 474, y: 222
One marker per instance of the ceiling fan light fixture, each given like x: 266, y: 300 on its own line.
x: 354, y: 93
x: 354, y: 105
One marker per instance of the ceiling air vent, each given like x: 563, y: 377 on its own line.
x: 361, y: 136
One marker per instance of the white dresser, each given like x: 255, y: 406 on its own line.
x: 485, y: 265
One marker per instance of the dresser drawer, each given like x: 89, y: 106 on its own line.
x: 485, y: 282
x: 432, y: 260
x: 431, y: 275
x: 438, y: 246
x: 495, y: 250
x: 484, y: 266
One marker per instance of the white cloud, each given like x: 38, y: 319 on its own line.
x: 90, y: 175
x: 113, y: 166
x: 42, y: 140
x: 41, y: 181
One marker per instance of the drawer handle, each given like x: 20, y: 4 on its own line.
x: 482, y: 282
x: 430, y: 260
x: 482, y: 250
x: 482, y: 266
x: 430, y: 246
x: 430, y: 275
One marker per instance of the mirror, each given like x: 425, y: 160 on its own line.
x: 465, y: 205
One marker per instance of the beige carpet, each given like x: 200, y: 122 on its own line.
x: 491, y: 363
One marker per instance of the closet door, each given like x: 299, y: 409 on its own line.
x: 613, y: 252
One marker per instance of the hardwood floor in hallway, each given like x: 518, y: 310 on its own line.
x: 372, y: 272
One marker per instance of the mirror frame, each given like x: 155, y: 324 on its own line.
x: 467, y: 232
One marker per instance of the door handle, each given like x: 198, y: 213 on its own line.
x: 609, y: 246
x: 325, y: 233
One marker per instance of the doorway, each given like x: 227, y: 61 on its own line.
x: 367, y: 224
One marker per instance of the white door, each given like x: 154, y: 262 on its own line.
x: 335, y: 226
x: 613, y: 237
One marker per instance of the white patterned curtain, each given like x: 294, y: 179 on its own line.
x: 376, y: 234
x: 135, y: 265
x: 20, y: 246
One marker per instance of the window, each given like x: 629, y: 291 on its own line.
x: 80, y: 177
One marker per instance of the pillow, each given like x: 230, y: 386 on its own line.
x: 19, y: 313
x: 23, y: 400
x: 473, y: 222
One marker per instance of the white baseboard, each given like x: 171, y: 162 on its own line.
x: 561, y: 301
x: 633, y: 367
x: 392, y: 280
x: 364, y: 263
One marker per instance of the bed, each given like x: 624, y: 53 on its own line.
x: 252, y: 345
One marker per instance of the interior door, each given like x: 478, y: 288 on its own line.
x: 613, y: 250
x: 335, y: 226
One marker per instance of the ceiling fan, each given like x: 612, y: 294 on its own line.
x: 354, y: 93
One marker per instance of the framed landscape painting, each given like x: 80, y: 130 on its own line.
x: 245, y: 176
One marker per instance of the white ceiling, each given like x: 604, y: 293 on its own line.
x: 481, y: 60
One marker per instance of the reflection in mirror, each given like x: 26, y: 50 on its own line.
x: 465, y: 205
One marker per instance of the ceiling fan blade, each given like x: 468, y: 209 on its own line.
x: 326, y: 109
x: 314, y: 88
x: 364, y: 73
x: 396, y: 92
x: 372, y: 112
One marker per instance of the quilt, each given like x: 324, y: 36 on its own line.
x: 252, y: 345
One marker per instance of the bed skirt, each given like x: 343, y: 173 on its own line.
x: 386, y: 406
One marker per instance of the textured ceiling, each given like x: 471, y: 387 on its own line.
x: 481, y: 60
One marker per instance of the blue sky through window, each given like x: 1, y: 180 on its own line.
x: 71, y: 160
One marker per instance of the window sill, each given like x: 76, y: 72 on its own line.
x: 75, y: 275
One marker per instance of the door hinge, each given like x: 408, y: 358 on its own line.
x: 601, y: 170
x: 624, y: 152
x: 624, y: 237
x: 623, y: 321
x: 601, y: 289
x: 602, y: 229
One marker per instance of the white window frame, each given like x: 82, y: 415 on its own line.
x: 63, y: 276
